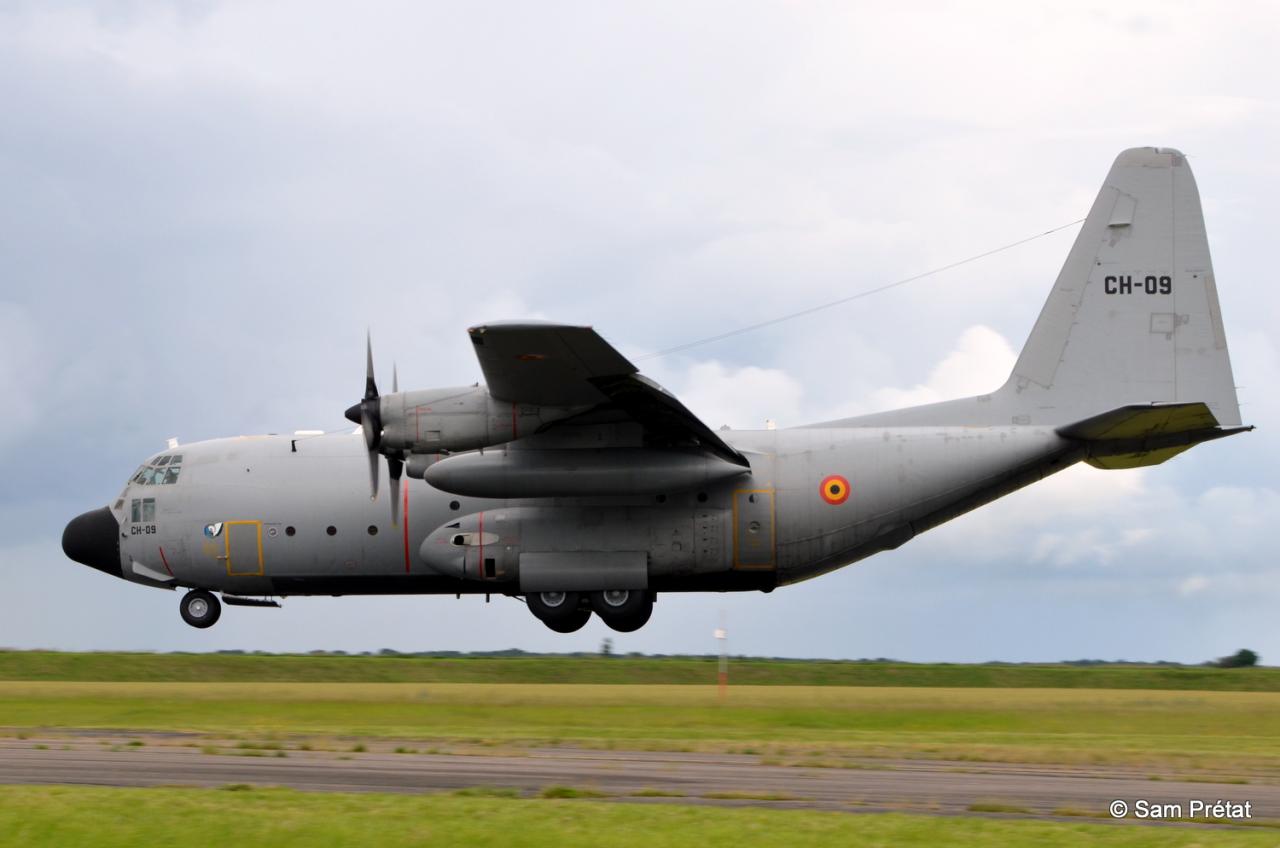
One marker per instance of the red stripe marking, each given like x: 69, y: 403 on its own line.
x: 480, y: 564
x: 165, y: 561
x: 404, y: 521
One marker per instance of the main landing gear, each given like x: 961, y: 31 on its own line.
x: 623, y: 610
x: 200, y: 608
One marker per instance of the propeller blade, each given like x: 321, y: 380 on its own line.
x: 373, y: 475
x: 368, y: 414
x: 395, y: 465
x: 370, y: 384
x: 371, y: 423
x: 395, y: 379
x: 371, y: 406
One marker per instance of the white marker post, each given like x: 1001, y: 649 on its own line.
x: 722, y: 636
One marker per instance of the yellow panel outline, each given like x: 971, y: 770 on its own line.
x: 772, y: 565
x: 226, y: 530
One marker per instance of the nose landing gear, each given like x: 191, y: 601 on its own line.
x: 200, y: 608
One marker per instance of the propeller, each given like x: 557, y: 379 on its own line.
x: 395, y: 461
x: 368, y: 414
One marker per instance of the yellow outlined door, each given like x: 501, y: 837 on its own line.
x: 753, y: 529
x: 243, y: 547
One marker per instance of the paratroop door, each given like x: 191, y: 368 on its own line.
x: 753, y: 530
x: 244, y: 547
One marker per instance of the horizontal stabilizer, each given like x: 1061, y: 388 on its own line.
x: 1146, y: 434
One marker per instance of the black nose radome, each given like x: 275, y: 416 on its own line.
x: 93, y: 539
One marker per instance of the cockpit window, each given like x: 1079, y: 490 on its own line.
x: 161, y: 471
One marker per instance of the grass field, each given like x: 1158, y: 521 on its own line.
x: 38, y: 817
x: 1232, y: 733
x: 233, y: 668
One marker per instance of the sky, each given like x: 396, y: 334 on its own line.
x: 205, y: 205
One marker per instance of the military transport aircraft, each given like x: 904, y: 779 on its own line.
x: 576, y: 483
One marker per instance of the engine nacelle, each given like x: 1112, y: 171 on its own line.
x: 578, y: 472
x: 544, y: 549
x: 458, y: 419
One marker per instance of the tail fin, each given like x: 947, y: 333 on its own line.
x: 1132, y: 319
x: 1134, y: 316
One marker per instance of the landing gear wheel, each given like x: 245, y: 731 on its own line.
x: 622, y: 609
x: 552, y: 604
x: 200, y: 608
x: 574, y: 620
x: 561, y: 611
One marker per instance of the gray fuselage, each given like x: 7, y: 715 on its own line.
x: 280, y: 515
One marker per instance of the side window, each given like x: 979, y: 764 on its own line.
x: 135, y: 510
x: 148, y: 510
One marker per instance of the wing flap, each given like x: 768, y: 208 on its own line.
x: 665, y: 419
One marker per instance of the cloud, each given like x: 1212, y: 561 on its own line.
x: 207, y: 205
x: 742, y: 398
x: 1193, y: 585
x: 24, y: 372
x: 980, y: 363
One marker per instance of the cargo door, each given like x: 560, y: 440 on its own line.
x: 753, y: 529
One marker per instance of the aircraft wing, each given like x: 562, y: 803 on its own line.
x: 547, y: 364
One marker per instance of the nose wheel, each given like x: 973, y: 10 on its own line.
x: 200, y: 608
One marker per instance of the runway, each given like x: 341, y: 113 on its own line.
x: 875, y: 785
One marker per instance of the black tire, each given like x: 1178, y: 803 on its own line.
x: 549, y: 605
x: 622, y: 610
x: 568, y: 623
x: 617, y: 602
x: 200, y: 608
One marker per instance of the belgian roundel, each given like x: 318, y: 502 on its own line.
x: 834, y: 490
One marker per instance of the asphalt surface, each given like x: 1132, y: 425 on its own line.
x: 905, y: 785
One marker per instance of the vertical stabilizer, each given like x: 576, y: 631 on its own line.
x: 1132, y: 319
x: 1134, y: 315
